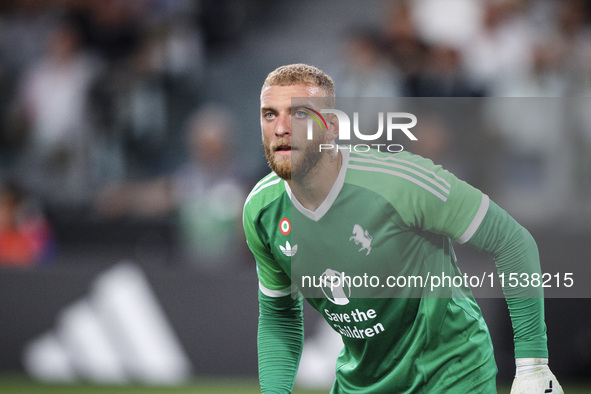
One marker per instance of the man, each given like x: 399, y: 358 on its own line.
x: 385, y: 214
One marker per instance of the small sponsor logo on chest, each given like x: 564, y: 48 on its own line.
x: 289, y: 250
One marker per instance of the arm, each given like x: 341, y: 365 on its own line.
x: 462, y: 213
x: 439, y: 202
x: 515, y: 250
x: 280, y: 341
x: 280, y: 330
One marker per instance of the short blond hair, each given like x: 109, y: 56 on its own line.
x: 301, y: 74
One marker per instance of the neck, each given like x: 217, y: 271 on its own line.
x: 311, y: 190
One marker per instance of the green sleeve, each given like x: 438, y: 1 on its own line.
x: 280, y: 342
x: 515, y: 251
x: 269, y: 272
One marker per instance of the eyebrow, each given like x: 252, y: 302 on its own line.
x: 273, y: 109
x: 263, y: 109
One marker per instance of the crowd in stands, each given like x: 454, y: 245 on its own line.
x: 97, y: 92
x: 458, y: 48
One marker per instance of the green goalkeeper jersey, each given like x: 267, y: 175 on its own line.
x: 366, y: 259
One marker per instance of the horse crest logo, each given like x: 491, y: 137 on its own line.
x: 361, y: 236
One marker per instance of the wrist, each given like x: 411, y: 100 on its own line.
x: 528, y: 365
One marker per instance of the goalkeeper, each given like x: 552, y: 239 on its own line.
x: 355, y: 211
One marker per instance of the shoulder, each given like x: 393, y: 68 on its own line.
x: 400, y: 173
x: 266, y: 191
x: 401, y: 158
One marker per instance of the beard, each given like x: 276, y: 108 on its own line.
x: 307, y: 156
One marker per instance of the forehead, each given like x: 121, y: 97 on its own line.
x: 282, y: 95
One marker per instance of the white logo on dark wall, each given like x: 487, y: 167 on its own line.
x: 118, y: 334
x: 361, y: 237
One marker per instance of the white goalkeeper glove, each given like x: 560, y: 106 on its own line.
x: 533, y: 376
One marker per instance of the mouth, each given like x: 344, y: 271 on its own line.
x: 284, y: 149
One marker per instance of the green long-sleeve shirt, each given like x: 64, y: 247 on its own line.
x: 387, y: 216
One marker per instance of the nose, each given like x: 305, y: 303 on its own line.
x: 283, y: 125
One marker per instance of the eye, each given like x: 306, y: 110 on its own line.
x: 269, y: 115
x: 300, y: 114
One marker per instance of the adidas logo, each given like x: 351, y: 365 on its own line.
x: 116, y: 334
x: 289, y: 250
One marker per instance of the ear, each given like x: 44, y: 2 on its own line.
x: 333, y: 127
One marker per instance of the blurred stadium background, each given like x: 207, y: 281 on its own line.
x: 129, y: 136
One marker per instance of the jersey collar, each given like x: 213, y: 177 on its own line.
x: 317, y: 214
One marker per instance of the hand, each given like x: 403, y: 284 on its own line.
x: 533, y: 376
